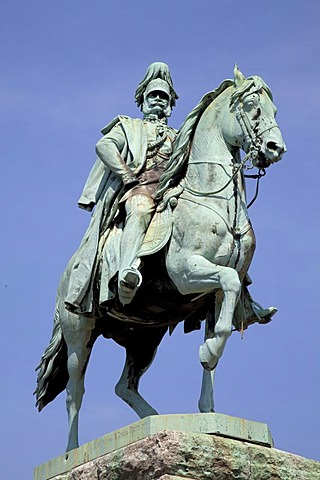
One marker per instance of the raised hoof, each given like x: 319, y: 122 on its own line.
x: 206, y: 366
x: 206, y: 358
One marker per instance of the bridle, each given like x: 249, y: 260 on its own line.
x: 253, y: 138
x: 250, y: 131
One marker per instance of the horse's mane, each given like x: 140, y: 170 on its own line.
x: 184, y: 137
x: 174, y: 170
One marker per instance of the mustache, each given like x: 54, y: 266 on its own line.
x: 157, y: 102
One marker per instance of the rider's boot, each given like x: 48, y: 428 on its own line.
x: 264, y: 314
x: 129, y: 282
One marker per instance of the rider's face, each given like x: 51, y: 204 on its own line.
x: 156, y: 102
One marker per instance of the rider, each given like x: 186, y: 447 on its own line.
x: 138, y: 201
x: 136, y: 152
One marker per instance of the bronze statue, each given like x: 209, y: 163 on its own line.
x: 160, y: 252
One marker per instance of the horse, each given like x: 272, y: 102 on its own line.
x: 199, y: 273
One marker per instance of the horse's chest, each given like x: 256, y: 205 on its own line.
x: 211, y: 233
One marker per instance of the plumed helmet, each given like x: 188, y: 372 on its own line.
x: 157, y: 77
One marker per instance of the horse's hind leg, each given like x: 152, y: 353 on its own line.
x: 141, y: 346
x: 80, y: 336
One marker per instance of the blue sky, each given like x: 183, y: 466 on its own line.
x: 67, y: 69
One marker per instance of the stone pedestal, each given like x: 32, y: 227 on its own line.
x: 177, y: 447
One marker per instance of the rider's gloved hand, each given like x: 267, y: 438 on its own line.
x: 129, y: 180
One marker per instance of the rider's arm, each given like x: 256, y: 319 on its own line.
x: 108, y: 150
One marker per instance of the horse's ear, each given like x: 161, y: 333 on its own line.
x: 239, y: 78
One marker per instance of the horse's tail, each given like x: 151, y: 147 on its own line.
x: 53, y: 373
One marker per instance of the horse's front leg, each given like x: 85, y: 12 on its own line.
x: 212, y: 349
x: 199, y: 275
x: 79, y: 337
x: 206, y: 400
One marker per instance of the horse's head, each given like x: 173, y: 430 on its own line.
x: 250, y: 121
x: 243, y: 113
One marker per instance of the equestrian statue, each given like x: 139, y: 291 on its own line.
x: 169, y: 240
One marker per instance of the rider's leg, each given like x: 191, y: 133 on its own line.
x: 139, y: 211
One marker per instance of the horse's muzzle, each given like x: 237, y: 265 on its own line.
x: 272, y: 150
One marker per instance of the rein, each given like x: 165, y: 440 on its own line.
x: 208, y: 194
x: 260, y: 174
x: 241, y: 165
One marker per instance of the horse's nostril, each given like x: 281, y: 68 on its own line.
x: 272, y: 146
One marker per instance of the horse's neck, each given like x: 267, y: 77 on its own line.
x: 209, y: 145
x: 210, y: 162
x: 212, y: 171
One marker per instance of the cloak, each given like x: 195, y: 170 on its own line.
x: 102, y: 190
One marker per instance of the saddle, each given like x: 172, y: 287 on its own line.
x: 158, y: 233
x: 160, y: 228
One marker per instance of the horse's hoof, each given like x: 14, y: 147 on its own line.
x: 205, y: 407
x: 207, y: 367
x: 207, y: 359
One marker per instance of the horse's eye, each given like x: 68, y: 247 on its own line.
x: 249, y: 105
